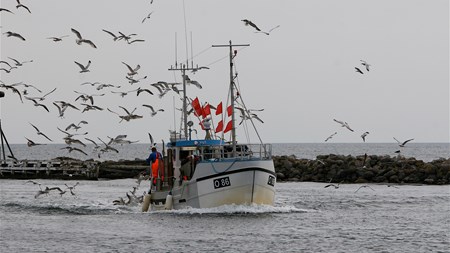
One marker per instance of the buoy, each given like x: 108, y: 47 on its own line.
x: 169, y: 201
x: 146, y: 202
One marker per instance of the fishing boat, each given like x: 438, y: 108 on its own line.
x: 211, y: 172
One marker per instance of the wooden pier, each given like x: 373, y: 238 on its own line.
x: 71, y: 169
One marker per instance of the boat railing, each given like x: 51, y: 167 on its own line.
x: 243, y: 152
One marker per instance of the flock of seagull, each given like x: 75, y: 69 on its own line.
x: 87, y: 102
x: 46, y: 191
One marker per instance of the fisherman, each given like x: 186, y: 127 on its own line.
x: 154, y: 159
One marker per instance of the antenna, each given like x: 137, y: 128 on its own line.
x: 176, y: 52
x: 192, y: 52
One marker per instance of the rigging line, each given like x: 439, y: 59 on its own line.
x: 201, y: 52
x: 245, y: 107
x: 220, y: 59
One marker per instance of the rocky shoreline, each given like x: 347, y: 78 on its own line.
x: 350, y: 169
x: 325, y: 168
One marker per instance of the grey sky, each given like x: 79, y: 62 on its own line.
x: 302, y: 74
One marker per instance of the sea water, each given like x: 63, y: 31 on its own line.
x: 306, y: 217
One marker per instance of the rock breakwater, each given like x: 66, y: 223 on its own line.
x: 372, y: 169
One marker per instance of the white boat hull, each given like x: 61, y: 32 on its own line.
x: 224, y: 183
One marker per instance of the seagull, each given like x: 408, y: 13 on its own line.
x: 74, y: 149
x: 71, y: 188
x: 250, y: 23
x: 344, y: 124
x: 107, y: 147
x: 89, y: 107
x: 77, y: 126
x: 358, y: 70
x: 154, y: 112
x: 132, y: 71
x: 31, y: 143
x: 14, y: 90
x: 364, y: 186
x: 137, y: 40
x: 81, y: 40
x: 123, y: 93
x: 84, y: 68
x: 39, y: 132
x: 8, y: 70
x: 13, y: 34
x: 148, y: 17
x: 333, y: 185
x: 27, y: 86
x: 57, y: 39
x: 38, y: 104
x: 189, y: 81
x: 18, y: 63
x: 34, y: 182
x: 364, y: 63
x: 85, y: 97
x: 129, y: 115
x: 364, y: 161
x: 21, y: 5
x: 363, y: 136
x: 70, y: 141
x: 3, y: 9
x: 69, y: 135
x: 331, y: 136
x: 152, y: 142
x: 140, y: 90
x: 42, y: 98
x: 402, y: 144
x: 115, y: 37
x: 62, y: 106
x: 46, y: 191
x: 132, y: 81
x: 96, y: 146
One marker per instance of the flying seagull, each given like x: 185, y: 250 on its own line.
x: 364, y: 186
x: 13, y: 34
x: 21, y: 5
x: 148, y: 17
x: 3, y: 9
x: 358, y: 70
x: 57, y: 39
x: 331, y: 136
x: 344, y: 124
x: 365, y: 64
x: 402, y: 144
x: 84, y: 68
x: 363, y: 136
x: 39, y: 132
x: 250, y: 23
x: 81, y: 40
x: 18, y: 63
x: 31, y: 143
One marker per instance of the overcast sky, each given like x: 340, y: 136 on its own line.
x: 302, y: 74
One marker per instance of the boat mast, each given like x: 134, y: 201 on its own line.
x: 183, y: 69
x: 233, y: 128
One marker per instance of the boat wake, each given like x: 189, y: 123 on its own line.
x: 236, y: 209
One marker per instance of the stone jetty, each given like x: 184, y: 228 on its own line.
x: 337, y: 168
x: 375, y: 169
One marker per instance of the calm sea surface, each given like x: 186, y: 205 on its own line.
x: 306, y: 217
x: 422, y: 151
